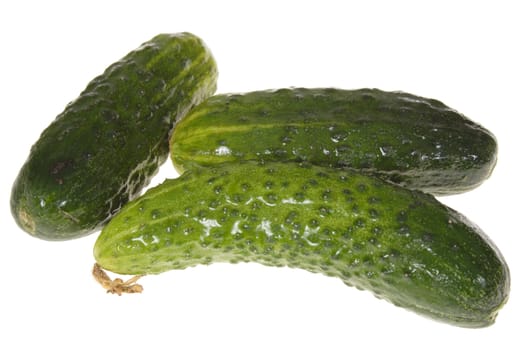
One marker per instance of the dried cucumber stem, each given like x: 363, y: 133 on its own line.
x: 116, y: 286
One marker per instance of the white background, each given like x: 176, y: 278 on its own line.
x: 466, y: 54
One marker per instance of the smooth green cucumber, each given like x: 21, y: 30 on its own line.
x: 403, y: 245
x: 414, y: 141
x: 107, y: 144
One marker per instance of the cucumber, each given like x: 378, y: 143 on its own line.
x: 404, y: 246
x: 414, y: 141
x: 107, y: 144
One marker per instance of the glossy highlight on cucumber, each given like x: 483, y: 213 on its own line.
x: 404, y: 246
x: 106, y: 145
x: 414, y: 141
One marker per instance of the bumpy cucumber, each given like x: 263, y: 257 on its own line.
x: 414, y: 141
x: 107, y: 144
x: 402, y: 245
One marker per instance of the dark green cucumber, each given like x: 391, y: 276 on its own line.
x: 106, y: 145
x: 402, y: 245
x: 414, y: 141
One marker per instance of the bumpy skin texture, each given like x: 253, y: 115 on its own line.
x: 107, y: 144
x: 402, y: 245
x: 417, y: 142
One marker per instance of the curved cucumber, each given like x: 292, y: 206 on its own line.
x: 414, y: 141
x: 404, y: 246
x: 106, y: 145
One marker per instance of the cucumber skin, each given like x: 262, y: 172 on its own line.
x: 414, y: 141
x: 404, y: 246
x: 106, y: 145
